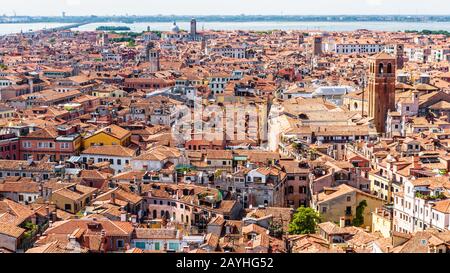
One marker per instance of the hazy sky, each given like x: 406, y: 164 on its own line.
x: 222, y: 7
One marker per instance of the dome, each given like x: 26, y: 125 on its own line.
x: 175, y: 28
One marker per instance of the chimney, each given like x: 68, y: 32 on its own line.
x: 113, y: 198
x: 47, y: 211
x: 416, y: 162
x: 139, y: 188
x: 133, y: 219
x: 123, y: 215
x: 72, y: 240
x: 30, y: 160
x: 30, y: 83
x: 342, y: 222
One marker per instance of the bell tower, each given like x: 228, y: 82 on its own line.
x: 152, y: 56
x: 381, y: 89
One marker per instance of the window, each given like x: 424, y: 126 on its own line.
x: 302, y: 189
x: 157, y: 246
x: 67, y: 207
x: 349, y: 198
x: 173, y: 246
x: 381, y: 69
x: 140, y: 245
x: 26, y: 144
x: 324, y: 209
x: 290, y: 189
x: 348, y: 211
x: 389, y: 68
x: 120, y: 243
x: 42, y: 145
x: 119, y: 162
x: 64, y: 145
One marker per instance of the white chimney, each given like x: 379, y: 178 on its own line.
x: 72, y: 239
x: 123, y: 216
x: 30, y: 82
x: 342, y: 222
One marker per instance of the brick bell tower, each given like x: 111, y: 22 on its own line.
x: 381, y: 89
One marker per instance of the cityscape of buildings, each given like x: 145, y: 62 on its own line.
x: 201, y: 141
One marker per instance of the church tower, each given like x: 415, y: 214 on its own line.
x: 152, y: 56
x: 317, y: 45
x: 193, y: 29
x: 399, y: 53
x: 381, y: 89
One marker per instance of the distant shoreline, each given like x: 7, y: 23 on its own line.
x: 227, y: 18
x: 259, y: 25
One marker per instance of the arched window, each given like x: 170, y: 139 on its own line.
x: 380, y: 69
x: 355, y: 105
x: 389, y: 68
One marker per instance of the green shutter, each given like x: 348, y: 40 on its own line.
x: 173, y: 246
x: 140, y: 245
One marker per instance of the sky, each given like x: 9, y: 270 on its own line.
x: 223, y: 7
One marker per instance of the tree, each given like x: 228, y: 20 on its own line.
x: 304, y: 221
x: 359, y: 217
x: 276, y: 229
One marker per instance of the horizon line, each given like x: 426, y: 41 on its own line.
x: 243, y: 15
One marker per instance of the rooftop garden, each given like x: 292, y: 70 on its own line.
x: 429, y: 196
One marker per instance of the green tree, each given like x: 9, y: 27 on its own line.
x: 305, y: 221
x: 131, y: 43
x: 359, y: 217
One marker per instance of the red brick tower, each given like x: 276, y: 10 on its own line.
x: 381, y: 89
